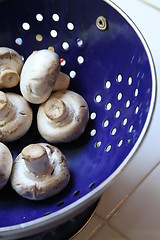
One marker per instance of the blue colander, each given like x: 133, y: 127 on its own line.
x: 110, y: 65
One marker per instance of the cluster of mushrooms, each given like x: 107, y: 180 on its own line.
x: 41, y: 169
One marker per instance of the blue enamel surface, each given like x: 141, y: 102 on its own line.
x: 107, y: 54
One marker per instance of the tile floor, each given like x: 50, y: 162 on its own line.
x: 130, y: 209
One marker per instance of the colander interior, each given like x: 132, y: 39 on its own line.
x: 109, y: 68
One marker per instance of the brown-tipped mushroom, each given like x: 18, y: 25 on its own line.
x: 15, y: 116
x: 10, y: 67
x: 65, y: 115
x: 6, y: 162
x: 39, y: 171
x: 39, y: 76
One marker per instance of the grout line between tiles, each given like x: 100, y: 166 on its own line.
x: 150, y: 5
x: 96, y: 230
x: 121, y: 234
x: 105, y: 221
x: 122, y: 202
x: 112, y: 227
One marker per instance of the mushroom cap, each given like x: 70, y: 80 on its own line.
x: 10, y: 67
x: 66, y: 128
x: 21, y: 121
x: 38, y: 187
x: 38, y: 75
x: 6, y: 162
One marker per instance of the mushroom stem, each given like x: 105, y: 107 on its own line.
x: 36, y: 159
x: 7, y: 109
x: 56, y: 110
x: 62, y: 82
x: 8, y: 78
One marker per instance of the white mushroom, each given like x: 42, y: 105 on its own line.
x: 62, y: 82
x: 39, y: 171
x: 15, y: 116
x: 10, y: 67
x: 65, y: 115
x: 6, y: 162
x: 39, y: 75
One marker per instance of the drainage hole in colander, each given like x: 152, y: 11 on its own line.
x: 93, y: 116
x: 119, y: 96
x: 80, y: 59
x: 53, y: 33
x: 97, y: 144
x: 108, y: 106
x: 98, y: 98
x: 136, y: 92
x: 120, y: 142
x: 119, y: 78
x: 55, y: 17
x: 125, y: 121
x: 26, y: 26
x: 65, y: 45
x: 106, y: 123
x: 108, y: 148
x: 47, y: 213
x: 107, y: 84
x: 127, y: 103
x: 113, y: 131
x: 72, y: 74
x: 129, y: 81
x: 93, y: 132
x: 39, y: 37
x: 130, y: 129
x: 70, y: 26
x: 117, y: 114
x: 51, y: 48
x: 136, y: 110
x: 76, y: 193
x: 18, y: 41
x: 63, y: 62
x: 92, y: 185
x: 79, y: 42
x: 39, y: 17
x: 22, y: 57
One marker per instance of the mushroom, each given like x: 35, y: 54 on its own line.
x: 39, y: 75
x: 39, y: 171
x: 62, y: 82
x: 65, y: 115
x: 6, y: 162
x: 10, y: 67
x: 15, y: 116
